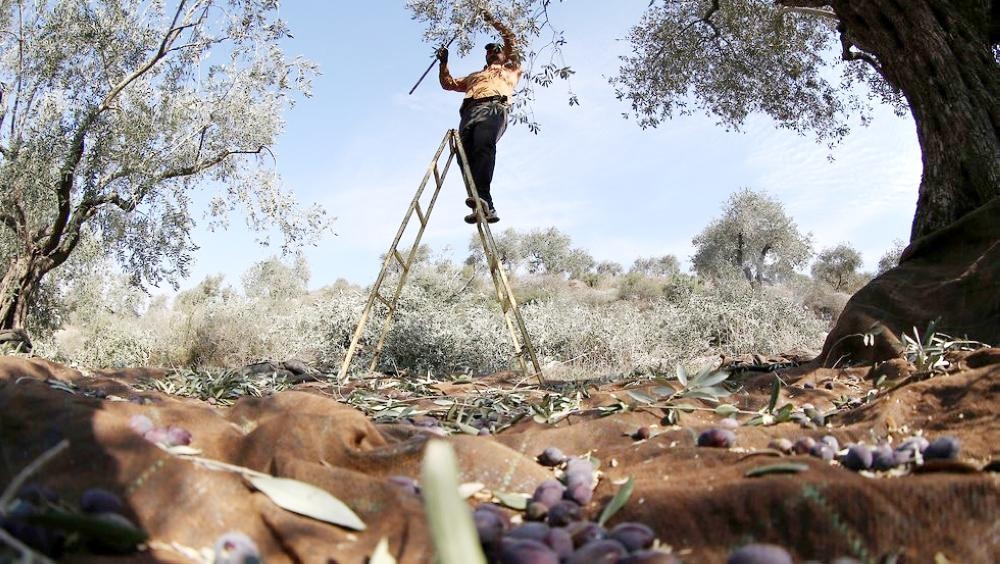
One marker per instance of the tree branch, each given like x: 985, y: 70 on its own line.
x: 65, y: 188
x: 803, y: 3
x: 829, y: 14
x: 848, y: 54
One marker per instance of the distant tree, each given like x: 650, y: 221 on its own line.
x: 891, y: 257
x: 550, y: 251
x: 609, y: 268
x: 659, y: 267
x: 837, y: 266
x: 509, y: 248
x: 114, y: 112
x: 754, y: 237
x: 733, y: 58
x: 276, y: 281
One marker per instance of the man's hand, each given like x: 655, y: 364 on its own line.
x: 442, y: 55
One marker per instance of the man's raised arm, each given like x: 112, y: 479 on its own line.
x: 510, y: 47
x: 447, y: 82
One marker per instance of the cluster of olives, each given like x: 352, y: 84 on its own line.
x: 51, y: 526
x: 881, y: 457
x: 554, y: 528
x: 168, y: 436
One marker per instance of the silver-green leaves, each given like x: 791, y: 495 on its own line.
x: 306, y: 499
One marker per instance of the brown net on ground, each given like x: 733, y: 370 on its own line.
x: 698, y: 500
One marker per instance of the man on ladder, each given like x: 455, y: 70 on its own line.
x: 484, y: 110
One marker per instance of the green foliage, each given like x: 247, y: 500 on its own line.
x: 929, y: 353
x: 659, y: 267
x: 753, y: 238
x: 891, y: 257
x: 706, y: 384
x: 735, y: 58
x: 448, y: 321
x: 115, y: 112
x: 838, y: 267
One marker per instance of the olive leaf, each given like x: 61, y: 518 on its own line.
x: 306, y: 499
x: 617, y: 502
x: 449, y: 518
x: 781, y: 468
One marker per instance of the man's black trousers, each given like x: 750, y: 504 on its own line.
x: 481, y: 127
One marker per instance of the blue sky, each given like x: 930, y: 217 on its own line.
x: 361, y: 145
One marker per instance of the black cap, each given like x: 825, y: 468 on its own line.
x: 494, y: 46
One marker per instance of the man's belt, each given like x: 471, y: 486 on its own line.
x: 476, y: 101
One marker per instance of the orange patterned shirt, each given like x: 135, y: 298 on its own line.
x: 494, y: 80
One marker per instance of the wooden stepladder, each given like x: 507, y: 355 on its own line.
x: 393, y: 258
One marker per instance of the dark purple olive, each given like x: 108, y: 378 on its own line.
x: 158, y: 435
x: 533, y: 531
x: 845, y: 560
x: 549, y: 492
x: 943, y: 448
x: 803, y: 445
x: 717, y: 438
x: 823, y: 451
x: 560, y: 541
x: 883, y: 458
x: 781, y: 445
x: 858, y: 457
x: 598, y: 552
x: 759, y: 554
x: 577, y: 465
x: 634, y: 536
x: 489, y: 525
x: 36, y: 494
x: 536, y: 511
x: 580, y: 493
x: 97, y: 500
x: 563, y: 513
x: 47, y: 541
x: 649, y: 557
x: 641, y: 434
x: 178, y: 436
x: 583, y: 532
x: 831, y: 441
x: 551, y: 456
x: 526, y: 551
x: 235, y: 547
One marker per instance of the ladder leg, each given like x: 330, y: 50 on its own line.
x: 508, y: 303
x: 423, y: 217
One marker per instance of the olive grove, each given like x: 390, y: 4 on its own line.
x: 114, y: 113
x: 812, y: 66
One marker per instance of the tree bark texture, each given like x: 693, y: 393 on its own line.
x: 939, y: 54
x: 17, y: 290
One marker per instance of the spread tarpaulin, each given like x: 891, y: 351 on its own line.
x: 698, y: 500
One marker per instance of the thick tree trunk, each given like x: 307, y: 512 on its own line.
x: 17, y: 290
x: 938, y: 53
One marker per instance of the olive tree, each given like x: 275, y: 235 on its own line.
x: 114, y: 112
x: 733, y: 58
x: 837, y: 266
x: 661, y: 267
x: 753, y: 237
x: 890, y: 258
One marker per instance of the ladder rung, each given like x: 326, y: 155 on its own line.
x: 420, y: 214
x: 383, y: 300
x: 399, y: 257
